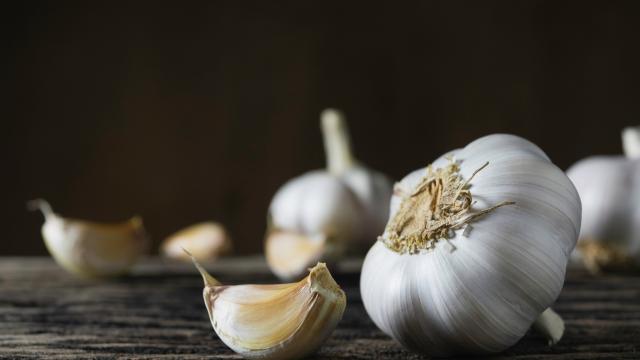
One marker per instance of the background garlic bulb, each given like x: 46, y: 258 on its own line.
x: 90, y: 249
x: 206, y: 241
x: 284, y: 321
x: 609, y: 187
x: 475, y: 250
x: 322, y: 214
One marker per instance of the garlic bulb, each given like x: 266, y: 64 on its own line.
x: 206, y: 241
x: 609, y: 187
x: 284, y: 321
x: 475, y: 250
x: 89, y: 249
x: 322, y: 214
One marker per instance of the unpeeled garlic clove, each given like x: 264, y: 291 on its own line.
x: 284, y: 321
x: 90, y: 249
x: 207, y: 241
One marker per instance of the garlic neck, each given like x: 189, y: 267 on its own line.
x: 631, y: 142
x: 439, y: 205
x: 43, y: 206
x: 337, y: 145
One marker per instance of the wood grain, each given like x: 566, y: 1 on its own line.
x: 157, y: 312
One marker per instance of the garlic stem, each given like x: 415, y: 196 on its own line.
x: 43, y: 206
x: 631, y: 142
x: 337, y: 144
x: 551, y: 325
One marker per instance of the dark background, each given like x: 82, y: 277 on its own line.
x: 187, y: 111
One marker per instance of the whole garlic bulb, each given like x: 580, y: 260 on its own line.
x: 207, y: 241
x: 323, y: 213
x: 475, y: 250
x: 90, y: 249
x: 609, y: 187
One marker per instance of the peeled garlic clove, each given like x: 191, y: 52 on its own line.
x: 289, y: 253
x: 442, y: 288
x: 206, y: 241
x: 285, y: 321
x: 335, y: 211
x: 89, y: 249
x: 609, y: 187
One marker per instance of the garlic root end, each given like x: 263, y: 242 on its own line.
x: 551, y: 325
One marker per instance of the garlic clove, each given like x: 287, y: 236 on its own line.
x: 289, y: 253
x: 207, y: 241
x: 284, y: 321
x: 90, y: 249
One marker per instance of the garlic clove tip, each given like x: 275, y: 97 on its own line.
x: 206, y: 277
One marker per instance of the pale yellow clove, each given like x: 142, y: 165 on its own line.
x: 284, y: 321
x: 90, y: 249
x: 207, y: 241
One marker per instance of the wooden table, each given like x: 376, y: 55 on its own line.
x: 158, y: 312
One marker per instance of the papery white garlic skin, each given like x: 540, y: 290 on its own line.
x: 481, y: 290
x: 325, y: 213
x: 206, y: 241
x: 316, y: 203
x: 90, y: 249
x: 372, y: 188
x: 284, y: 321
x: 609, y: 187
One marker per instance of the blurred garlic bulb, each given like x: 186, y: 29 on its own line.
x: 475, y: 250
x: 322, y: 214
x: 90, y: 249
x: 284, y: 321
x: 609, y: 187
x: 207, y: 241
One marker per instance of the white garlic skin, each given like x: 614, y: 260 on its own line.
x: 373, y: 190
x: 316, y: 203
x: 609, y: 187
x: 483, y: 296
x: 324, y: 214
x: 312, y: 218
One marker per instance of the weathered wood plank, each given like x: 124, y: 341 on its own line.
x: 157, y: 312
